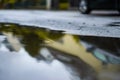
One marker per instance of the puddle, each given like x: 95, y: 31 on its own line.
x: 28, y: 53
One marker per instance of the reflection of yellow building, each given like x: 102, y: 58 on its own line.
x: 70, y: 46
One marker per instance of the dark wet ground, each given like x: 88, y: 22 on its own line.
x: 28, y: 53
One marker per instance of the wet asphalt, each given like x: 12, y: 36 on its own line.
x: 98, y: 23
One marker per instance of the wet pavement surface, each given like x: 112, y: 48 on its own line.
x: 32, y: 53
x: 99, y: 23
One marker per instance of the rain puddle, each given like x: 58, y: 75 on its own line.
x: 31, y: 53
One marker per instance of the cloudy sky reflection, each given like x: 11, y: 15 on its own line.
x: 20, y: 66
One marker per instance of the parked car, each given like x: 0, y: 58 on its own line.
x: 86, y: 6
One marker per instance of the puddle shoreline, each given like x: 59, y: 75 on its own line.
x: 109, y: 32
x: 77, y: 57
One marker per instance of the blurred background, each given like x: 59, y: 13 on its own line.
x: 39, y: 4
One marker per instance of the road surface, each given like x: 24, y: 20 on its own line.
x: 104, y: 23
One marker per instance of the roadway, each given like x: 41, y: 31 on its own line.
x: 99, y: 23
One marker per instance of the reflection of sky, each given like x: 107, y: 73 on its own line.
x: 20, y: 66
x: 2, y: 38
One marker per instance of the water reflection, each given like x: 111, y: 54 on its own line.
x: 32, y: 39
x: 43, y: 54
x: 105, y: 49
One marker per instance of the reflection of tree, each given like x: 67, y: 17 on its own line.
x: 76, y: 38
x: 32, y: 38
x: 10, y: 28
x: 54, y: 35
x: 32, y: 43
x: 48, y: 34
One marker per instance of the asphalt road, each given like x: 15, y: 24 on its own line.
x: 99, y: 23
